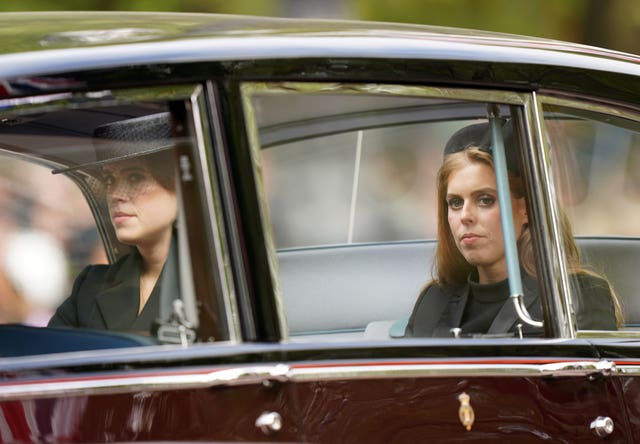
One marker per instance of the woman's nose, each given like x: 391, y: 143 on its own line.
x: 467, y: 214
x: 117, y: 192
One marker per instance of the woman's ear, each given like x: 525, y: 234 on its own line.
x: 520, y: 210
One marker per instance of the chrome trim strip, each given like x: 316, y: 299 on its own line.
x: 9, y: 106
x: 538, y: 153
x: 613, y: 109
x: 628, y: 370
x: 217, y: 239
x: 228, y: 233
x: 77, y: 100
x: 267, y: 374
x: 383, y: 89
x: 451, y: 370
x: 137, y: 383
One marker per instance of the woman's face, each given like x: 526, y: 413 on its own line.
x: 474, y: 219
x: 142, y: 211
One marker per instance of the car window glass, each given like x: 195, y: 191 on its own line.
x: 94, y: 231
x: 310, y: 179
x: 350, y: 188
x: 595, y: 160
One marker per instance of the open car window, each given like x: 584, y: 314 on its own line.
x: 349, y: 180
x: 595, y: 157
x: 103, y: 206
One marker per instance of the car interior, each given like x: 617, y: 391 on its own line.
x: 374, y: 300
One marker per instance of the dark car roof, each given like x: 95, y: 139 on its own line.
x: 32, y: 42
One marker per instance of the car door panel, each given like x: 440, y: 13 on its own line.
x: 159, y: 405
x: 521, y: 399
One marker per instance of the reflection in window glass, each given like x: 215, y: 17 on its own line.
x: 307, y: 182
x: 595, y: 165
x: 595, y: 159
x: 370, y: 185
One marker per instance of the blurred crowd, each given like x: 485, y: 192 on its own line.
x: 47, y: 234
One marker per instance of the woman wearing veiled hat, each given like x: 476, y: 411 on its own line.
x: 470, y: 291
x: 136, y: 167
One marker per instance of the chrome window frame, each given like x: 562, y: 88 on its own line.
x: 536, y: 157
x: 225, y: 240
x: 562, y: 282
x: 208, y: 137
x: 195, y: 99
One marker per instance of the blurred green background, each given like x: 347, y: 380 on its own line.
x: 612, y: 24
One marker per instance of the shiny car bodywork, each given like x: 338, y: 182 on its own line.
x: 287, y: 348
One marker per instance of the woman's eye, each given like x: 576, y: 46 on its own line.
x: 108, y: 180
x: 486, y: 201
x: 455, y: 203
x: 135, y: 178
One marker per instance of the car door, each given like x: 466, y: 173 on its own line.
x: 346, y: 179
x: 187, y: 378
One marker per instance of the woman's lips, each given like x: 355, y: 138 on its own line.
x: 469, y: 239
x: 119, y: 217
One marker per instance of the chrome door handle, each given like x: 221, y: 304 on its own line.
x: 269, y: 422
x: 602, y: 426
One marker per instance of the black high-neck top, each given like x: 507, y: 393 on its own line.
x: 483, y: 305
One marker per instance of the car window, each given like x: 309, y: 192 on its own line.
x: 95, y: 230
x: 595, y: 155
x: 349, y: 182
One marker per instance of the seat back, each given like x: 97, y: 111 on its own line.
x: 618, y: 260
x: 344, y: 288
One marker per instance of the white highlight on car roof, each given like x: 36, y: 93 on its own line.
x: 100, y: 36
x: 287, y: 47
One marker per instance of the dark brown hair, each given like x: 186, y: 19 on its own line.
x: 162, y: 167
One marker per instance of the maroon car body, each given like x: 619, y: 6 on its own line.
x: 306, y: 157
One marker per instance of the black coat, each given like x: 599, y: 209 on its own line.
x: 107, y: 297
x: 437, y: 310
